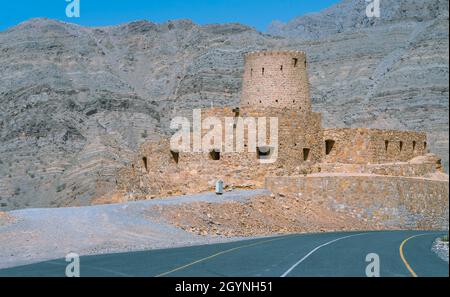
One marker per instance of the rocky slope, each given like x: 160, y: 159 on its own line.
x: 390, y: 72
x: 349, y: 16
x: 266, y: 215
x: 76, y: 102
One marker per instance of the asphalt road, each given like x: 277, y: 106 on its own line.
x: 401, y: 254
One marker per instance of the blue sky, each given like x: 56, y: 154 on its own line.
x: 255, y: 13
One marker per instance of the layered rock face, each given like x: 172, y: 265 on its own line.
x: 350, y: 16
x: 387, y: 73
x: 76, y: 103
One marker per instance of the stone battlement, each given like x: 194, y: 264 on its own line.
x: 274, y: 53
x: 362, y: 145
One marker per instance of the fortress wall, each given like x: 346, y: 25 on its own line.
x: 158, y: 171
x: 389, y: 146
x: 348, y: 146
x: 276, y: 79
x: 299, y: 135
x: 359, y: 146
x: 194, y: 172
x: 398, y: 202
x: 393, y: 169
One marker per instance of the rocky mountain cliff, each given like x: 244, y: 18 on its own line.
x: 76, y: 102
x: 388, y: 72
x: 350, y: 16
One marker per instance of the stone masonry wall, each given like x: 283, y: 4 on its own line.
x: 299, y: 137
x: 276, y: 79
x: 359, y: 146
x: 159, y: 171
x: 400, y: 202
x: 392, y: 169
x: 388, y: 146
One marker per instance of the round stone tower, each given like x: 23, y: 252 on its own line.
x: 276, y: 79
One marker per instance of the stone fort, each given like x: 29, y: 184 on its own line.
x: 311, y: 158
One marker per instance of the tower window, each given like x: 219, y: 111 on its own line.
x: 401, y: 145
x: 414, y: 146
x: 306, y: 154
x: 175, y: 156
x: 281, y: 67
x: 386, y: 145
x: 329, y: 145
x: 144, y: 163
x: 237, y: 112
x: 425, y: 146
x: 295, y: 62
x: 263, y: 70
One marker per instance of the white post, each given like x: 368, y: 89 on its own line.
x: 219, y: 187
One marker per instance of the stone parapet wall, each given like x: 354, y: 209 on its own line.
x: 393, y: 169
x: 361, y: 145
x: 399, y: 202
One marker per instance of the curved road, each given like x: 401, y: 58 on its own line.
x: 401, y: 253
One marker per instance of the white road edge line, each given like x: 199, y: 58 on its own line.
x: 314, y: 250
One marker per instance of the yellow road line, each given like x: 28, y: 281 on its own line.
x: 402, y: 255
x: 220, y: 253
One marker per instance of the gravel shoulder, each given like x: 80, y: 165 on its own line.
x: 264, y: 215
x: 440, y: 247
x: 43, y: 234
